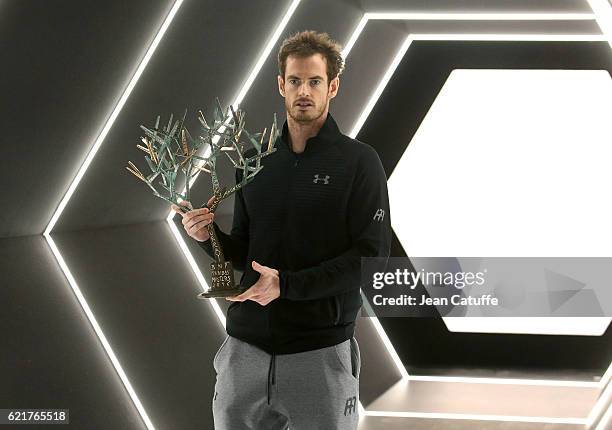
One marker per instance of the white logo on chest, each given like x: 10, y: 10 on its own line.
x: 318, y: 178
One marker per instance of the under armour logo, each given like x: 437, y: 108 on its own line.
x: 379, y: 215
x: 351, y: 404
x: 317, y: 179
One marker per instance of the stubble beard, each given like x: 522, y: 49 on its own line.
x: 307, y: 116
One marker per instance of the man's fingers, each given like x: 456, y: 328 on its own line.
x: 195, y: 216
x: 184, y: 203
x: 198, y: 224
x: 260, y: 298
x: 256, y: 298
x: 247, y: 294
x: 191, y: 219
x: 238, y: 299
x: 176, y: 209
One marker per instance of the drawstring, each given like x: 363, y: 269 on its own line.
x: 271, y: 372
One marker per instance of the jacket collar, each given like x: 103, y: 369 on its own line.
x: 328, y: 134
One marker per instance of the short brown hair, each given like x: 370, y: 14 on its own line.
x: 309, y: 42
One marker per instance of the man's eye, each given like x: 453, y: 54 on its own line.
x: 315, y: 82
x: 293, y: 81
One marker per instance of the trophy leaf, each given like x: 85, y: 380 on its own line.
x: 164, y: 184
x: 150, y: 163
x: 203, y: 120
x: 169, y: 123
x: 172, y: 150
x: 253, y: 141
x: 152, y: 176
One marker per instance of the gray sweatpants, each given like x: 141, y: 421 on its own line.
x: 316, y: 389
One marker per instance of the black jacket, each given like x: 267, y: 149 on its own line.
x: 311, y: 216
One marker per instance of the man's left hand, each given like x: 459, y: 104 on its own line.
x: 266, y: 289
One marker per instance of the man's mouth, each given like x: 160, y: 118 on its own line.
x: 304, y: 105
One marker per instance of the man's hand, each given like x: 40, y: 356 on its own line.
x: 196, y: 220
x: 266, y: 289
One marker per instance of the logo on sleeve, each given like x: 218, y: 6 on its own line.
x: 379, y: 215
x: 317, y: 178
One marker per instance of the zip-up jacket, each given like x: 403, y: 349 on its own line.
x: 311, y: 216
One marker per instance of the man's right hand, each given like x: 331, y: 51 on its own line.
x: 196, y: 220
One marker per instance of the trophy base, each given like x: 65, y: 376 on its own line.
x: 223, y: 284
x: 218, y: 292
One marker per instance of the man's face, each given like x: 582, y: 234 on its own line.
x: 305, y: 88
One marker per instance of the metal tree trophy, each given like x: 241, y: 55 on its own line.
x: 171, y: 150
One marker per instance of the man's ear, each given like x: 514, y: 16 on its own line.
x: 334, y: 85
x: 281, y: 85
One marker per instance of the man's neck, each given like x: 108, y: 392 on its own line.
x: 300, y: 132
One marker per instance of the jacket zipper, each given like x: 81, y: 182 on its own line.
x: 288, y: 195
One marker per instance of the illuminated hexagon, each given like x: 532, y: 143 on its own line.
x: 482, y: 186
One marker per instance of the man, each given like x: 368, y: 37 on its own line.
x: 299, y: 231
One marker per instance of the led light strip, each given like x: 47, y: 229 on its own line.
x: 416, y: 16
x: 75, y: 182
x: 603, y: 15
x: 477, y: 417
x: 604, y: 401
x: 472, y: 16
x: 380, y: 87
x: 599, y: 409
x: 100, y: 334
x: 506, y: 381
x: 605, y: 379
x: 370, y: 105
x: 605, y: 421
x: 113, y: 117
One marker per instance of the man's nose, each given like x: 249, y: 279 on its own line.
x: 304, y: 89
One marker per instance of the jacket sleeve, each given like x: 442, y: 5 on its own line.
x: 370, y: 231
x: 236, y: 244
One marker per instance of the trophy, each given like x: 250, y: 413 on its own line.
x: 172, y: 150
